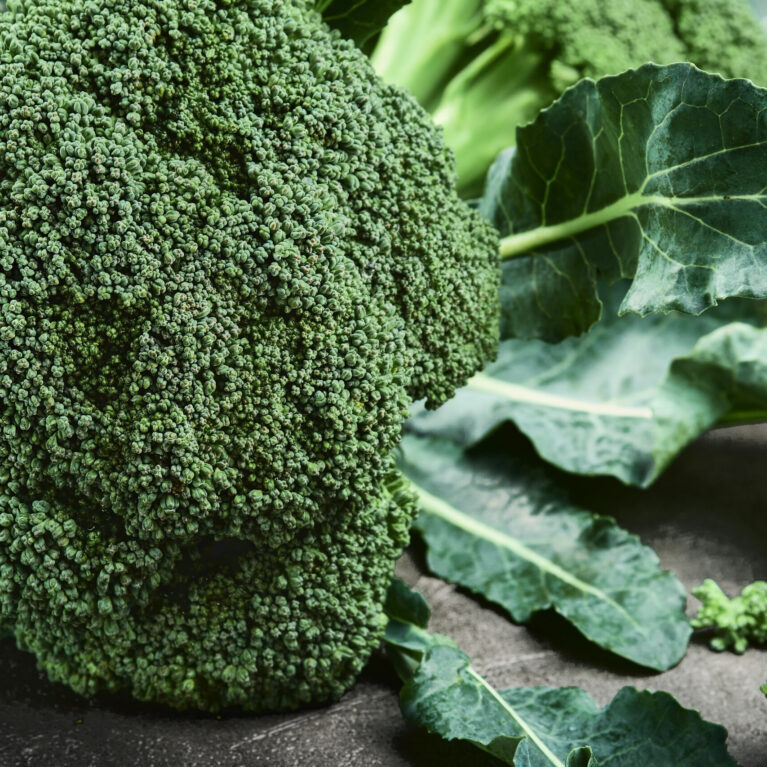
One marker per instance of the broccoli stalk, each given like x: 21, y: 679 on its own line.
x: 488, y: 66
x: 512, y: 76
x: 423, y: 43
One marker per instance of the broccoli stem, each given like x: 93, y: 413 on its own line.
x: 508, y: 84
x: 423, y: 43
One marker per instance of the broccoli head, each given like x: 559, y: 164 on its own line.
x: 491, y: 65
x: 229, y: 258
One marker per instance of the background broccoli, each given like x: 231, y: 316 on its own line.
x: 484, y: 67
x: 229, y: 258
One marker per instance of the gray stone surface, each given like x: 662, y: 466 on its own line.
x: 705, y: 518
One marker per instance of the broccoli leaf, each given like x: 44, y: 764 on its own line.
x: 549, y: 727
x: 406, y: 606
x: 656, y: 175
x: 497, y: 523
x: 359, y: 20
x: 624, y: 398
x: 407, y: 638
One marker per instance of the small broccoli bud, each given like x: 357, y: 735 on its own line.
x: 738, y: 621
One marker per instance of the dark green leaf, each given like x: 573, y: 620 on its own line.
x: 407, y: 605
x: 637, y: 729
x: 656, y: 175
x: 406, y: 636
x: 541, y: 726
x: 545, y: 727
x: 581, y: 757
x: 359, y: 20
x: 496, y: 522
x: 623, y: 399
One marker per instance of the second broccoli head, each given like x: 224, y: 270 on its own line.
x: 229, y: 258
x: 485, y: 67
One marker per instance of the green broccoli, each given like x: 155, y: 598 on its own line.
x: 491, y: 65
x: 229, y: 258
x: 738, y: 621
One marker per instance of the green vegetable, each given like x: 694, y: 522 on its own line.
x: 423, y: 44
x: 538, y: 726
x: 229, y: 258
x: 737, y: 622
x: 483, y: 67
x: 500, y: 524
x: 624, y: 398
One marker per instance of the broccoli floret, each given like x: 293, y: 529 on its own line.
x: 738, y: 621
x: 499, y: 62
x: 722, y: 36
x: 229, y: 257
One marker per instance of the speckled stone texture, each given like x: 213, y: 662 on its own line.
x: 707, y: 517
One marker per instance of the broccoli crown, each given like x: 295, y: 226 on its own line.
x: 229, y: 256
x: 737, y: 621
x: 589, y: 38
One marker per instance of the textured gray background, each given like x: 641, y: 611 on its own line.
x: 705, y: 518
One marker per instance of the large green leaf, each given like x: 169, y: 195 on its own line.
x: 541, y: 726
x: 497, y: 523
x: 624, y: 398
x: 359, y: 20
x: 656, y: 175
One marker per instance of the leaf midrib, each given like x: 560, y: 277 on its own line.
x: 445, y: 511
x: 522, y: 243
x: 529, y: 732
x: 524, y: 394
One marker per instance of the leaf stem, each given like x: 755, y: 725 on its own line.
x: 432, y: 504
x: 523, y: 242
x: 529, y: 732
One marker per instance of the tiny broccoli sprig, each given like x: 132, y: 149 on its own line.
x: 738, y: 622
